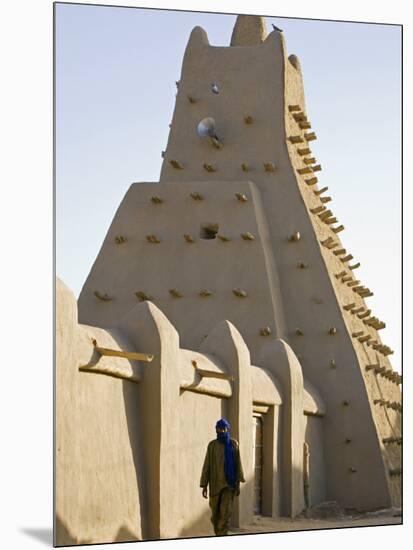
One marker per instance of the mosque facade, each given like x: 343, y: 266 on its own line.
x: 223, y: 290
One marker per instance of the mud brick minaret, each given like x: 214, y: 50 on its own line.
x: 240, y: 227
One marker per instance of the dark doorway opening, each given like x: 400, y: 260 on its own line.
x: 258, y: 455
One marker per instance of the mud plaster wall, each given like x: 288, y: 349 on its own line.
x: 221, y: 267
x: 98, y: 493
x: 311, y: 299
x: 198, y: 415
x: 314, y: 437
x: 386, y: 421
x: 261, y: 82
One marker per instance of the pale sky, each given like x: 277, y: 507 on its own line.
x: 115, y: 91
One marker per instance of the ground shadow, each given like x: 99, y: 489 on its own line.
x: 43, y: 534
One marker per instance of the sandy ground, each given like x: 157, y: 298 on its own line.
x: 269, y: 525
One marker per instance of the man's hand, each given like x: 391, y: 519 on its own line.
x: 204, y: 492
x: 237, y: 490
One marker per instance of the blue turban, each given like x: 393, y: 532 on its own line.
x: 229, y: 465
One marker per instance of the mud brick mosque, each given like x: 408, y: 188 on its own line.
x: 223, y: 290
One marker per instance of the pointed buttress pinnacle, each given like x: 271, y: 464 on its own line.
x: 249, y: 30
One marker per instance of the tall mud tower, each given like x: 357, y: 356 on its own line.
x: 240, y: 228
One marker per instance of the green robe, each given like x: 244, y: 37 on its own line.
x: 213, y: 472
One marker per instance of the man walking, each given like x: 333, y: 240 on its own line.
x: 222, y: 470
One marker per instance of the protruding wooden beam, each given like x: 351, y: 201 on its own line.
x: 269, y: 166
x: 197, y: 196
x: 356, y: 289
x: 156, y: 200
x: 371, y: 367
x: 223, y: 238
x: 245, y: 167
x: 215, y: 142
x: 371, y: 343
x: 120, y: 239
x: 327, y: 241
x: 310, y: 136
x: 305, y: 170
x: 366, y: 293
x: 142, y: 297
x: 299, y: 117
x: 294, y: 237
x: 317, y: 209
x: 134, y: 356
x: 355, y: 266
x: 346, y: 258
x: 152, y: 239
x: 325, y: 214
x: 176, y: 164
x: 240, y: 293
x: 304, y: 151
x: 391, y: 439
x: 370, y: 321
x: 320, y: 191
x: 317, y: 168
x: 365, y: 314
x: 209, y: 167
x: 248, y: 236
x: 311, y: 181
x: 349, y: 306
x: 189, y: 238
x: 205, y: 293
x: 337, y: 229
x: 309, y: 160
x: 211, y: 373
x: 295, y: 139
x: 103, y: 297
x: 294, y: 108
x: 265, y: 331
x: 175, y: 293
x: 241, y: 197
x: 379, y: 369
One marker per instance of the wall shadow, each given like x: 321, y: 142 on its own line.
x: 134, y: 416
x: 65, y: 538
x: 62, y: 534
x: 124, y: 535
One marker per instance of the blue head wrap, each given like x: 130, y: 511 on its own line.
x: 224, y: 437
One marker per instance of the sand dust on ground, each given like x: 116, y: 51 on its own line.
x: 263, y: 524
